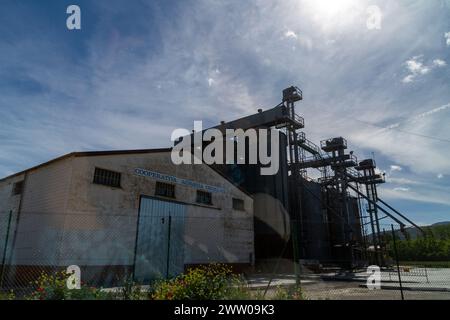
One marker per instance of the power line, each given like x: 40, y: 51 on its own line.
x: 404, y: 131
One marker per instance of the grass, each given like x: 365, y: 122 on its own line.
x: 427, y: 264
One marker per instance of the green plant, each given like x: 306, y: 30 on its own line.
x: 297, y: 294
x: 435, y: 246
x: 89, y: 293
x: 212, y: 282
x: 281, y: 294
x: 132, y: 291
x: 7, y: 295
x: 290, y: 293
x: 54, y: 287
x: 50, y: 287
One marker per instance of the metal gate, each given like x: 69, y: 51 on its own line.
x: 159, y: 243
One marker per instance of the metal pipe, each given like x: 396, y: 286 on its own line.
x: 401, y: 215
x: 375, y: 204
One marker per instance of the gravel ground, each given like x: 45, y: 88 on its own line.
x: 329, y: 290
x: 432, y: 285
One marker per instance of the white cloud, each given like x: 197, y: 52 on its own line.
x: 422, y: 156
x: 247, y: 52
x: 403, y: 181
x: 290, y: 34
x: 447, y: 38
x: 416, y: 68
x: 401, y: 189
x: 419, y: 117
x: 303, y: 40
x: 439, y: 63
x: 427, y: 195
x: 408, y: 79
x: 440, y: 176
x: 430, y: 112
x: 396, y: 168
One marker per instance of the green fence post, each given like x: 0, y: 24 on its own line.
x: 5, y: 249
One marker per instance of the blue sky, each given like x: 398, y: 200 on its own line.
x: 139, y: 69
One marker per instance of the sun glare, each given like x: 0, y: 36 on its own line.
x: 332, y: 7
x: 330, y: 14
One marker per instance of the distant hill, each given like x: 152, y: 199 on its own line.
x: 438, y: 228
x: 441, y: 229
x: 435, y: 246
x: 440, y: 223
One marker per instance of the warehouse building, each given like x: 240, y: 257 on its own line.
x: 118, y: 213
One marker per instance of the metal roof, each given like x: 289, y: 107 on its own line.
x: 88, y: 154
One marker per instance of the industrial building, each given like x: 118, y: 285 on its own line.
x: 120, y: 212
x: 332, y: 220
x: 134, y: 212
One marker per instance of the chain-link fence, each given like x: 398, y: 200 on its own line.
x: 340, y: 265
x: 109, y: 248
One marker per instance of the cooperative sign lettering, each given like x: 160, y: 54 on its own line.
x: 173, y: 179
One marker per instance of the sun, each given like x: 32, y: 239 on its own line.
x: 330, y: 8
x: 332, y: 14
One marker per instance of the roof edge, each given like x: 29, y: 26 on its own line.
x: 87, y: 154
x: 115, y: 152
